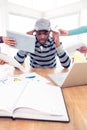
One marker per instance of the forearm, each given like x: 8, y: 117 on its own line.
x: 56, y: 38
x: 82, y: 29
x: 63, y: 57
x: 20, y: 56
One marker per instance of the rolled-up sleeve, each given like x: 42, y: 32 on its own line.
x: 65, y: 60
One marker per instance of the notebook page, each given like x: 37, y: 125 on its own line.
x: 10, y: 90
x: 42, y: 97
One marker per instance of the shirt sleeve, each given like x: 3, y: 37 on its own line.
x: 20, y: 56
x: 1, y: 40
x: 64, y: 58
x: 80, y: 30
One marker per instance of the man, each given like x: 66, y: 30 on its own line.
x: 46, y: 48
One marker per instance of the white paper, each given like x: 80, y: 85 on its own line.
x: 7, y: 58
x: 23, y: 41
x: 46, y: 99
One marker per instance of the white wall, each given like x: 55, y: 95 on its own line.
x: 23, y: 11
x: 6, y: 8
x: 58, y: 12
x: 3, y: 16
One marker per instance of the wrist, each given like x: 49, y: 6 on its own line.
x: 57, y: 44
x: 1, y: 39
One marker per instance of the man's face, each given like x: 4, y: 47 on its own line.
x: 42, y: 36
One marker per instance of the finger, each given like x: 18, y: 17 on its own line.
x: 2, y: 62
x: 11, y: 43
x: 10, y: 39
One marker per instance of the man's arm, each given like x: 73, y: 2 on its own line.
x: 20, y: 56
x: 63, y: 56
x: 80, y: 30
x: 76, y: 31
x: 55, y: 36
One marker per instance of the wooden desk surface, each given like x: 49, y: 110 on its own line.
x: 76, y: 101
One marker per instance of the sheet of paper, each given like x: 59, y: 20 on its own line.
x: 7, y: 58
x: 46, y: 99
x: 6, y: 71
x: 34, y: 77
x: 10, y: 90
x: 23, y: 41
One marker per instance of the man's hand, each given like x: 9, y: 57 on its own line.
x: 55, y: 36
x: 30, y: 32
x: 2, y: 62
x: 9, y: 41
x: 63, y: 32
x: 82, y: 49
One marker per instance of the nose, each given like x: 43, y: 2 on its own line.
x: 42, y: 36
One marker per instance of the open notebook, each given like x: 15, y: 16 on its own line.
x: 24, y: 42
x: 28, y: 96
x: 76, y: 76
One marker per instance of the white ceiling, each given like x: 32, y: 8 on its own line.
x: 43, y: 5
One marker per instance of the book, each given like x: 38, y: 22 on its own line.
x: 27, y: 97
x: 12, y: 61
x: 75, y: 76
x: 24, y: 42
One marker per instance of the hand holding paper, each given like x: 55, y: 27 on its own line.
x: 7, y: 58
x: 24, y: 42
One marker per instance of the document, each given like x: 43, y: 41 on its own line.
x: 24, y: 42
x: 21, y: 98
x: 12, y: 61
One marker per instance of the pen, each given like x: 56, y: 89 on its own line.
x: 30, y: 77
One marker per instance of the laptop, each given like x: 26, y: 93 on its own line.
x: 76, y: 76
x: 24, y: 42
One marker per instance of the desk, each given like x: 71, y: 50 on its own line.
x: 76, y: 101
